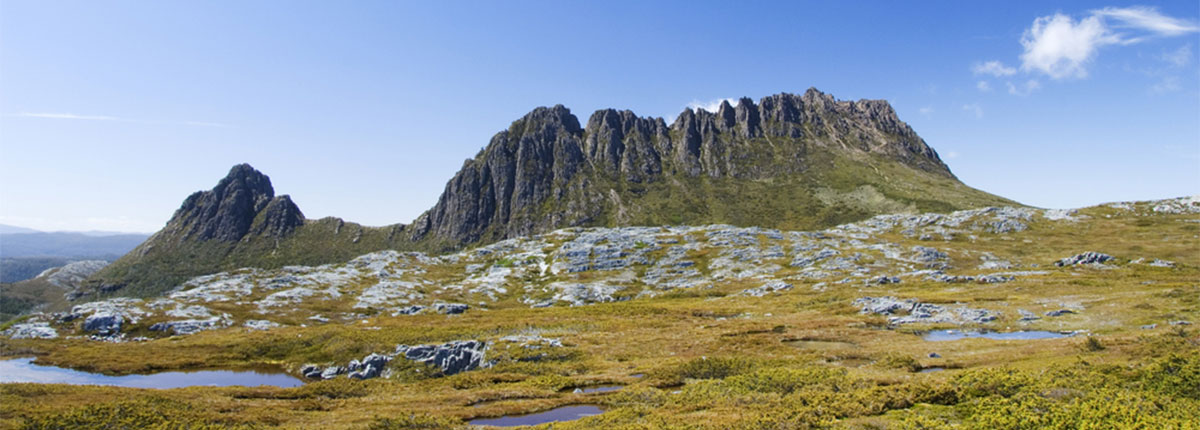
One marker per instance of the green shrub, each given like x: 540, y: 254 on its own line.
x: 714, y: 367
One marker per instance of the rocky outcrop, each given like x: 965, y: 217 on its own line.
x: 1089, y: 257
x: 226, y: 212
x: 912, y: 311
x: 279, y: 218
x: 546, y: 171
x: 452, y: 357
x: 35, y: 330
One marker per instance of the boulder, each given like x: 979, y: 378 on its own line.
x: 1089, y: 257
x: 103, y: 323
x: 311, y: 371
x: 37, y: 330
x: 451, y: 308
x: 452, y: 357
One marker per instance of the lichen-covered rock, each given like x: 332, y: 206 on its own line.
x: 917, y: 312
x: 103, y: 323
x: 35, y: 330
x: 451, y: 308
x: 767, y: 288
x: 1089, y: 257
x: 311, y: 371
x: 452, y: 357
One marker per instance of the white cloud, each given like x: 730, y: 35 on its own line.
x: 926, y: 110
x: 71, y: 116
x: 1061, y: 47
x: 1179, y: 57
x: 974, y: 108
x: 1024, y: 89
x: 1168, y: 84
x: 994, y: 68
x: 951, y: 154
x: 710, y: 105
x: 1146, y: 19
x: 983, y: 86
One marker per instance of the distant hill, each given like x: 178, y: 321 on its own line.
x: 11, y: 229
x: 24, y: 253
x: 68, y: 244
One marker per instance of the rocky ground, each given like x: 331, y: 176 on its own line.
x: 1123, y: 270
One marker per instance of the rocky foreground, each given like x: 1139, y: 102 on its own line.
x: 987, y: 318
x: 578, y: 266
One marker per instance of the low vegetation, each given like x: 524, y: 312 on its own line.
x: 712, y: 358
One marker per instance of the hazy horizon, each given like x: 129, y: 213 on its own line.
x: 111, y: 114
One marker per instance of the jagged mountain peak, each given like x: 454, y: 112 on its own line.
x: 544, y: 171
x: 229, y: 211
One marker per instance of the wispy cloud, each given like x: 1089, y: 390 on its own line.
x: 1061, y: 47
x: 994, y: 68
x: 710, y: 105
x: 975, y: 109
x: 1168, y: 84
x: 68, y: 116
x: 1024, y: 89
x: 1180, y: 57
x: 927, y: 110
x: 71, y: 116
x: 983, y: 86
x: 1146, y: 19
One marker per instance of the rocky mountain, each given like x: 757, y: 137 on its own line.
x: 794, y: 162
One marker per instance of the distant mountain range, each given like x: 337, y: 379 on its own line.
x: 799, y: 162
x: 26, y: 252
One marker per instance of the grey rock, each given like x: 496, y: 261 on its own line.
x: 1162, y: 263
x: 103, y: 323
x: 1028, y: 316
x: 767, y: 288
x: 35, y: 330
x: 451, y: 308
x: 1089, y: 257
x: 409, y: 310
x: 310, y: 371
x: 1059, y: 312
x: 260, y: 324
x: 934, y: 355
x: 1181, y: 323
x: 923, y: 312
x: 995, y: 279
x: 1149, y: 326
x: 884, y: 280
x: 332, y: 372
x: 452, y: 357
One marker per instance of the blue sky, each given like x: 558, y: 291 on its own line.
x: 112, y: 112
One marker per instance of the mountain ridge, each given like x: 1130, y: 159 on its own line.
x: 789, y: 161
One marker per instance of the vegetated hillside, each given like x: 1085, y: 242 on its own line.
x: 20, y: 269
x: 790, y: 161
x: 50, y: 289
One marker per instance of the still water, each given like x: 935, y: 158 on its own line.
x: 945, y: 335
x: 565, y: 413
x: 23, y: 370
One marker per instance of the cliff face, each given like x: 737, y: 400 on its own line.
x: 547, y: 163
x: 789, y: 161
x: 229, y: 211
